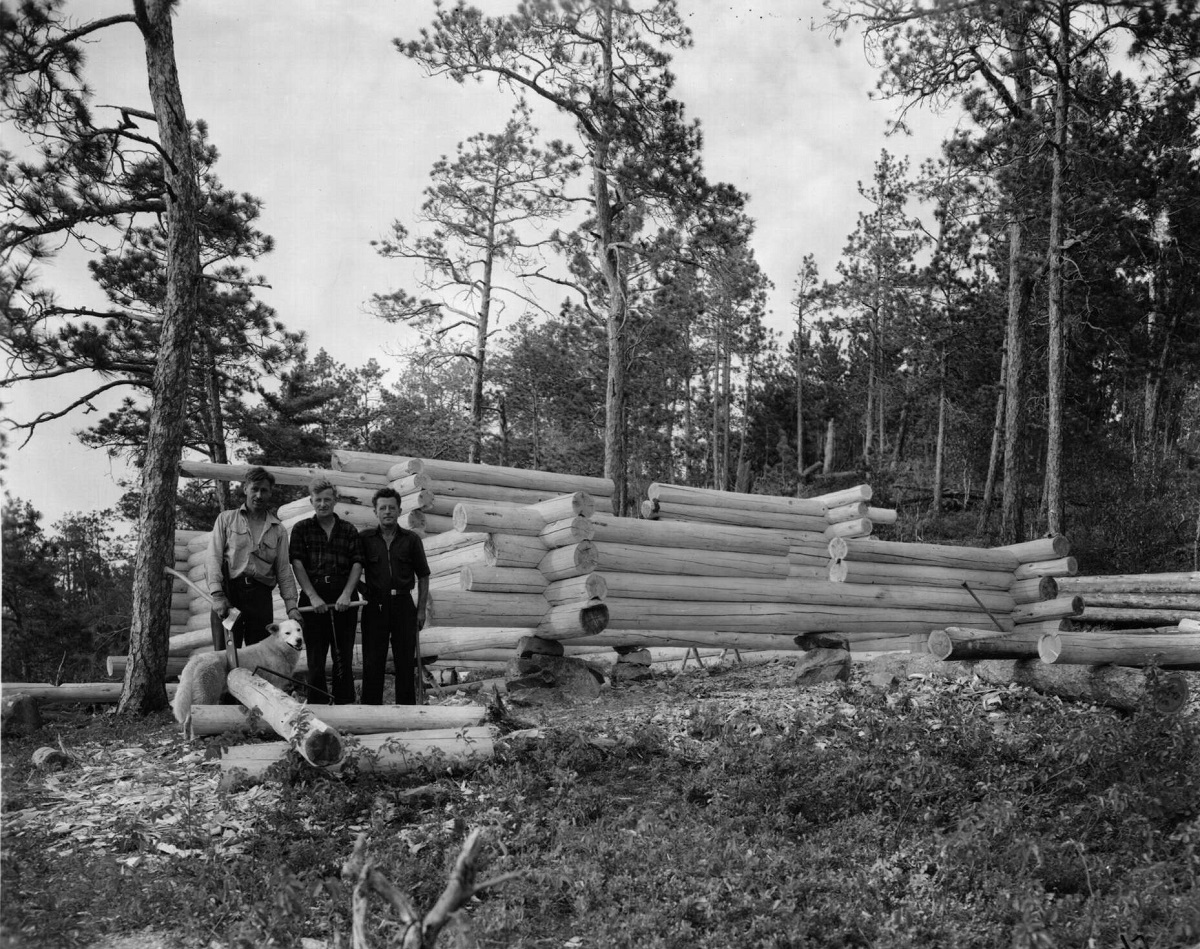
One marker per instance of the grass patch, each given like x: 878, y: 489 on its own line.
x: 915, y: 817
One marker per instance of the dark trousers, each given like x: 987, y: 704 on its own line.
x: 392, y: 622
x: 331, y: 630
x: 258, y: 612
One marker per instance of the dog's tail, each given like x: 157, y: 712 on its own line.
x: 182, y: 705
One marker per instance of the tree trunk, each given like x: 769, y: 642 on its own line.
x: 218, y: 453
x: 989, y: 487
x: 830, y: 438
x: 144, y: 686
x: 475, y: 448
x: 1055, y: 354
x: 939, y: 455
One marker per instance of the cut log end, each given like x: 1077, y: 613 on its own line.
x: 1170, y: 694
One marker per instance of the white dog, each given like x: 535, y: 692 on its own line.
x: 202, y: 681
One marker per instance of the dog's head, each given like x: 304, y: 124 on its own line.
x: 290, y: 632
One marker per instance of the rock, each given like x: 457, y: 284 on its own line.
x: 50, y: 759
x: 639, y: 657
x: 543, y: 679
x: 22, y: 715
x: 630, y: 672
x: 536, y: 646
x: 823, y: 665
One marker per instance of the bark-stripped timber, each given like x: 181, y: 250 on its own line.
x: 883, y: 515
x: 446, y: 581
x: 358, y: 515
x: 1143, y: 616
x: 184, y: 644
x: 695, y: 513
x: 454, y: 560
x: 1114, y: 686
x: 71, y: 693
x: 808, y: 571
x: 861, y: 527
x: 317, y: 743
x: 460, y: 640
x: 554, y: 508
x: 1041, y: 627
x: 199, y: 542
x: 571, y: 620
x: 794, y: 618
x: 639, y: 558
x: 521, y: 521
x: 732, y: 500
x: 1144, y: 601
x: 1059, y: 608
x: 495, y: 475
x: 1168, y: 650
x: 817, y: 593
x: 1044, y: 548
x: 452, y: 607
x: 511, y: 550
x: 430, y: 523
x: 296, y: 476
x: 196, y: 557
x: 180, y: 616
x: 965, y: 642
x: 566, y: 532
x: 847, y: 512
x: 591, y: 586
x: 873, y: 550
x: 573, y: 560
x: 180, y: 553
x: 1062, y: 567
x: 347, y: 719
x: 1133, y: 583
x: 480, y: 578
x: 722, y: 639
x: 411, y: 484
x: 385, y: 753
x: 451, y: 540
x: 183, y: 535
x: 1189, y: 625
x: 649, y: 510
x: 861, y: 492
x: 851, y: 571
x: 483, y: 493
x: 689, y: 536
x: 1034, y: 589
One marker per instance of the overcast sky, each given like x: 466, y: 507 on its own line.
x: 315, y: 112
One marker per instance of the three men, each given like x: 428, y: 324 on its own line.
x: 247, y: 556
x: 328, y: 560
x: 393, y: 563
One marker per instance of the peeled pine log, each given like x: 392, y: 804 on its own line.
x: 370, y: 462
x: 1133, y: 583
x: 724, y: 639
x: 463, y: 640
x: 484, y: 493
x: 412, y: 484
x: 386, y: 753
x: 1167, y: 650
x: 591, y: 586
x: 1034, y: 590
x: 861, y: 527
x: 861, y: 492
x: 1113, y: 686
x: 883, y: 515
x: 732, y: 500
x: 356, y: 514
x: 453, y: 561
x: 802, y: 571
x: 70, y: 693
x: 740, y: 517
x: 428, y: 523
x: 793, y: 618
x: 1044, y: 548
x: 347, y: 719
x: 567, y: 532
x: 817, y: 593
x: 485, y: 579
x: 494, y: 475
x: 316, y: 742
x: 1062, y: 567
x: 297, y: 476
x: 184, y: 644
x: 511, y: 550
x: 573, y: 560
x: 847, y: 512
x: 1189, y: 625
x: 688, y: 536
x: 638, y: 558
x: 1042, y: 627
x: 1142, y: 616
x: 964, y: 642
x: 852, y: 571
x: 873, y: 550
x: 519, y: 521
x: 1145, y: 601
x: 458, y: 608
x: 1058, y: 608
x: 451, y: 540
x: 570, y: 621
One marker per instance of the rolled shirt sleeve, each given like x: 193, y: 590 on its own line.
x: 215, y: 558
x: 283, y: 572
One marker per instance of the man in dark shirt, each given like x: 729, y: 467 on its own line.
x: 393, y: 562
x: 327, y: 560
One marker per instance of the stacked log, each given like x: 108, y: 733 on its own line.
x: 1138, y: 600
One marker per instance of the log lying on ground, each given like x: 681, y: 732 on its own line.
x: 964, y: 642
x: 1058, y: 608
x: 1044, y: 548
x: 849, y: 571
x: 387, y: 753
x: 732, y: 500
x: 1137, y: 617
x: 1167, y: 650
x: 872, y: 550
x: 1062, y: 567
x: 1142, y: 600
x: 639, y: 558
x: 70, y: 693
x: 1133, y: 583
x: 1114, y: 686
x: 317, y: 743
x: 347, y: 719
x: 688, y: 536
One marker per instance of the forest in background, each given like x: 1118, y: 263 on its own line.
x: 1008, y: 345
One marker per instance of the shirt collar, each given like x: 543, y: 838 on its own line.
x: 270, y: 519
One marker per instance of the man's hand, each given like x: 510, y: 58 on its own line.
x: 220, y: 606
x: 420, y: 619
x: 318, y: 605
x: 294, y: 613
x: 343, y: 602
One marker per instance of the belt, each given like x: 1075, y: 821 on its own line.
x: 330, y: 580
x: 248, y: 581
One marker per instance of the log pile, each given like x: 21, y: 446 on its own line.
x: 1135, y: 600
